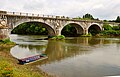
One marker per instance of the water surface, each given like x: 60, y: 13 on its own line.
x: 73, y: 57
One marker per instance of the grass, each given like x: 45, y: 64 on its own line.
x: 10, y: 68
x: 6, y: 43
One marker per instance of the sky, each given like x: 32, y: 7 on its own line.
x: 102, y: 9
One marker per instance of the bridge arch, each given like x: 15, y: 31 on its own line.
x: 78, y: 27
x: 94, y: 28
x: 51, y: 31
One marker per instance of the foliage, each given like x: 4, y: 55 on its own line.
x: 5, y: 69
x: 107, y: 26
x: 93, y: 30
x: 105, y: 20
x: 118, y: 19
x: 34, y: 28
x: 88, y: 17
x: 6, y: 41
x: 60, y: 37
x: 69, y: 30
x: 116, y: 27
x: 30, y: 28
x: 111, y: 32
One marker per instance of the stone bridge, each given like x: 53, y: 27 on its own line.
x: 54, y: 24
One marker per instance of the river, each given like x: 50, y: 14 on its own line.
x: 72, y: 57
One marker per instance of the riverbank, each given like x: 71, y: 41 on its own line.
x: 7, y: 43
x: 9, y: 66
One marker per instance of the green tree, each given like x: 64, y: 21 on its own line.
x: 69, y: 30
x: 118, y: 19
x: 88, y: 16
x: 30, y: 28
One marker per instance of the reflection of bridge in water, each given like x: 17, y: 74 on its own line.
x: 60, y: 50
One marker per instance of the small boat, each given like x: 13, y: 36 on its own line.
x: 32, y: 59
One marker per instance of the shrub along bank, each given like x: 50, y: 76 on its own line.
x: 110, y: 31
x: 6, y: 42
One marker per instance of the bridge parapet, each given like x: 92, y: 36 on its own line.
x: 33, y: 15
x: 46, y: 16
x: 3, y: 12
x: 113, y: 23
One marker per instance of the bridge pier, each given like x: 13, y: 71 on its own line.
x: 58, y: 32
x: 85, y: 31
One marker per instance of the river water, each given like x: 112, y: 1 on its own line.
x: 72, y: 57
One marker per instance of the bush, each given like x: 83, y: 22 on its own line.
x: 111, y: 32
x: 60, y: 37
x: 116, y: 27
x: 107, y: 27
x: 6, y: 41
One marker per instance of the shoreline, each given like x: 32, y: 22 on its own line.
x: 23, y: 70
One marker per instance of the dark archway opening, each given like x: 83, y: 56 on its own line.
x: 94, y: 29
x: 72, y: 30
x: 33, y: 28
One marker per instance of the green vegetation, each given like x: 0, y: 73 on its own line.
x: 116, y: 28
x: 94, y: 30
x: 8, y: 68
x: 30, y: 28
x: 88, y: 17
x: 107, y: 27
x: 118, y: 19
x: 6, y: 42
x: 60, y: 37
x: 69, y: 30
x: 110, y: 31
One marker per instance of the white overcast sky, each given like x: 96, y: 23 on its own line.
x: 102, y: 9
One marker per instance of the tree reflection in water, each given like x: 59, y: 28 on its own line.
x: 58, y: 50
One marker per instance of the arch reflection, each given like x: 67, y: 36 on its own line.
x: 60, y: 50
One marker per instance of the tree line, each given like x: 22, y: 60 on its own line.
x: 90, y: 17
x: 30, y: 28
x: 86, y: 17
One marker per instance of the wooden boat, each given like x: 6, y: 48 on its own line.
x: 32, y: 59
